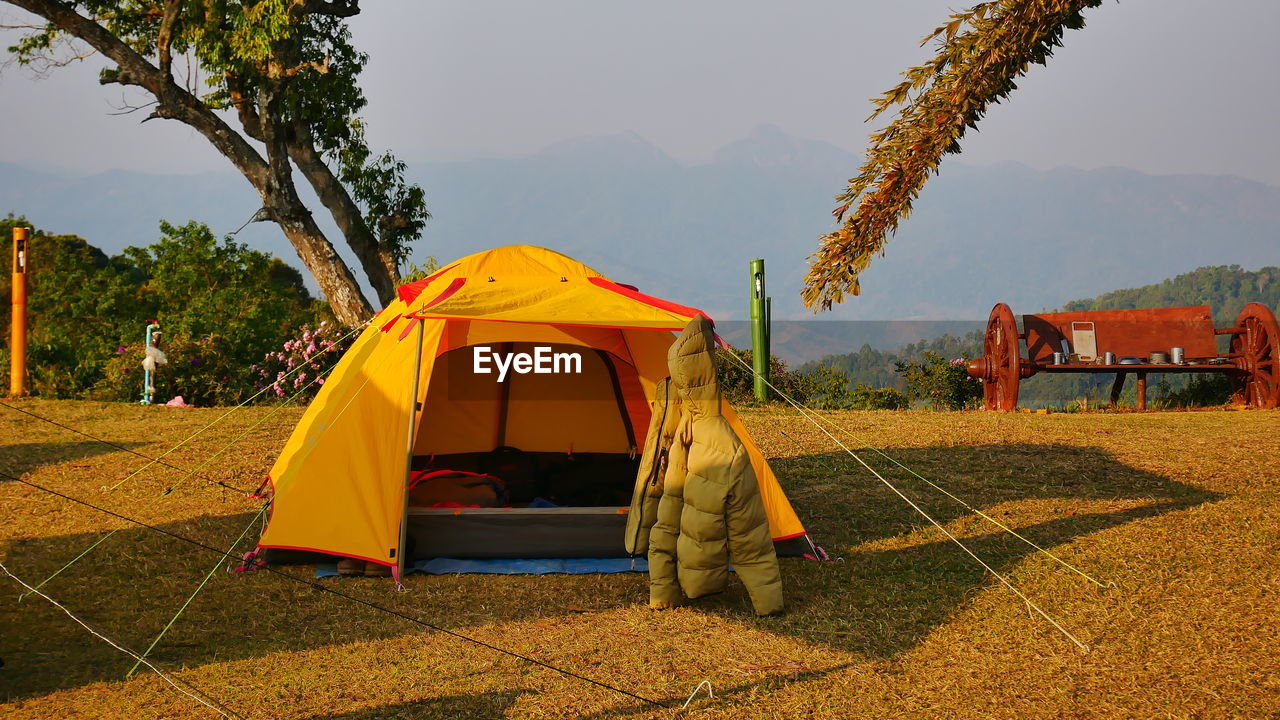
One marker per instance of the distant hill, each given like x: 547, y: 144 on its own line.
x: 979, y: 235
x: 796, y: 342
x: 1224, y: 288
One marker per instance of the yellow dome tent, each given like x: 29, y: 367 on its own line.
x: 339, y: 485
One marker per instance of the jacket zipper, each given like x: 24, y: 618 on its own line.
x: 653, y: 471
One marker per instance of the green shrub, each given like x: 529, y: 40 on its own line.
x: 414, y: 272
x: 1202, y: 390
x: 818, y: 386
x: 206, y: 293
x: 204, y: 372
x: 865, y: 397
x: 943, y: 384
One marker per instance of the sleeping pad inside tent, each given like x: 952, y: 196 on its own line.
x: 495, y: 409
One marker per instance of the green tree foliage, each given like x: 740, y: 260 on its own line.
x: 1198, y: 391
x: 1225, y: 288
x: 879, y: 368
x: 287, y: 73
x: 197, y: 286
x: 865, y: 397
x: 943, y: 384
x: 77, y: 300
x: 415, y: 272
x: 221, y: 307
x: 981, y: 53
x: 819, y: 386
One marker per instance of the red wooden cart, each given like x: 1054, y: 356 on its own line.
x: 1140, y: 341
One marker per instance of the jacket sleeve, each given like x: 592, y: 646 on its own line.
x: 750, y: 544
x: 664, y: 584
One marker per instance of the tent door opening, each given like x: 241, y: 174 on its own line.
x: 551, y: 457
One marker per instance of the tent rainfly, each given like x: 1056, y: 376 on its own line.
x: 517, y: 361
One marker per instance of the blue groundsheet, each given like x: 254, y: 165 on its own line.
x: 503, y: 566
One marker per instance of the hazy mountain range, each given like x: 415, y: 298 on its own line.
x: 1005, y: 233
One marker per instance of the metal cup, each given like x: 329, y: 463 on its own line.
x: 1058, y: 358
x: 1177, y: 354
x: 1109, y: 358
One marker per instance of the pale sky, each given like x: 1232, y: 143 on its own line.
x: 1161, y: 86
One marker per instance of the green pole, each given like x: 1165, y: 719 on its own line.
x: 759, y: 330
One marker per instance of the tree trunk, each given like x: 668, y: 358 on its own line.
x: 345, y: 213
x: 389, y: 264
x: 332, y: 274
x: 280, y: 198
x: 271, y: 178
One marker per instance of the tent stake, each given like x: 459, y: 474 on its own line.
x: 408, y: 460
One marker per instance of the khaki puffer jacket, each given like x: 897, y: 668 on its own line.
x: 710, y: 514
x: 664, y: 419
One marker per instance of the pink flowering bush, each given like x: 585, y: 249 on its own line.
x: 941, y: 383
x: 301, y: 365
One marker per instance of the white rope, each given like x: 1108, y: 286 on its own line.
x: 962, y: 503
x: 190, y: 473
x: 176, y: 685
x: 305, y: 363
x: 230, y: 553
x: 710, y: 693
x: 914, y: 506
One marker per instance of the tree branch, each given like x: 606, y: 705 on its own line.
x: 332, y: 8
x: 164, y: 38
x: 245, y: 109
x: 174, y: 102
x: 971, y: 71
x: 345, y: 212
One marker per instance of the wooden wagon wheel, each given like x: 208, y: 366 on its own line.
x: 1000, y: 351
x: 1258, y: 347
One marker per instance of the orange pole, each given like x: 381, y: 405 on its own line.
x: 18, y: 328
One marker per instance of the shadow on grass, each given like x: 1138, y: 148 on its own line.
x: 484, y: 705
x: 20, y: 458
x: 878, y: 603
x: 881, y: 603
x: 723, y: 691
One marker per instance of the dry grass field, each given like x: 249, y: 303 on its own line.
x: 1180, y: 510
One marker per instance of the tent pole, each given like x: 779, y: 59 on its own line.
x: 408, y: 459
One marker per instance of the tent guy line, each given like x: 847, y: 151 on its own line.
x: 339, y: 593
x: 121, y: 448
x: 1030, y: 605
x: 831, y: 468
x: 190, y: 473
x: 944, y: 491
x: 181, y: 686
x: 967, y: 506
x: 205, y: 581
x: 228, y: 413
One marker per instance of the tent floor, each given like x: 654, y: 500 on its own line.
x: 591, y: 532
x: 591, y: 492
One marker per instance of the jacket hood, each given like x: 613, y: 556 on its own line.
x: 693, y: 369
